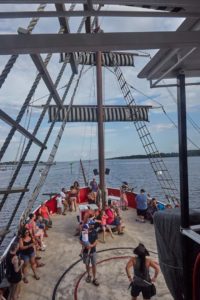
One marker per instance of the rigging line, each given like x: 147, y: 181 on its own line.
x: 193, y: 123
x: 132, y: 87
x: 28, y: 146
x: 62, y: 87
x: 10, y: 63
x: 162, y: 107
x: 53, y: 152
x: 20, y: 144
x: 146, y: 53
x: 91, y: 127
x: 30, y: 143
x: 23, y: 138
x: 85, y: 128
x: 28, y: 125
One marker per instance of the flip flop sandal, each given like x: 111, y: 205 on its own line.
x: 25, y: 280
x: 88, y: 279
x: 36, y: 277
x: 40, y: 265
x: 95, y: 282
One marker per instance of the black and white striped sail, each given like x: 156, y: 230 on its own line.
x: 89, y: 113
x: 89, y: 58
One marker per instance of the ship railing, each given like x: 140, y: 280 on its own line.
x: 4, y: 255
x: 3, y: 262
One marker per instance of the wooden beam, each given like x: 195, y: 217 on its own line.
x: 60, y: 8
x: 13, y: 190
x: 102, y: 13
x: 54, y: 43
x: 6, y: 118
x: 47, y: 78
x: 171, y: 3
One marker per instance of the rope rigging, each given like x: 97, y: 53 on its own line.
x: 160, y: 170
x: 192, y: 122
x: 55, y: 146
x: 13, y: 58
x: 30, y: 143
x: 61, y: 88
x: 166, y: 114
x: 52, y: 153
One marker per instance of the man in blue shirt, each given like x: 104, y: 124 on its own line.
x: 141, y: 205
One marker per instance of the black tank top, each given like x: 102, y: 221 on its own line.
x: 144, y: 275
x: 27, y: 251
x: 12, y: 276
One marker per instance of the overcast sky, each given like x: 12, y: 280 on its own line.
x: 80, y: 139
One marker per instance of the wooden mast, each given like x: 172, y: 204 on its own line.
x: 100, y: 126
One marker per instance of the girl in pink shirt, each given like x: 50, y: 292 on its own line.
x: 104, y: 224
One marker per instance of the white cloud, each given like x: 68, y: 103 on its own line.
x: 160, y: 127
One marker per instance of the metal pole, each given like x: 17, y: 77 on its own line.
x: 100, y: 126
x: 183, y: 173
x: 183, y: 163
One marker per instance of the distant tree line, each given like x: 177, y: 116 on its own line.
x: 171, y: 154
x: 28, y: 162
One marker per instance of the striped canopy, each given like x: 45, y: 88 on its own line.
x: 89, y: 113
x: 89, y: 58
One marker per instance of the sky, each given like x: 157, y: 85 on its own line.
x: 80, y: 139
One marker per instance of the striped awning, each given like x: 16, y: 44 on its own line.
x: 89, y: 58
x: 88, y: 113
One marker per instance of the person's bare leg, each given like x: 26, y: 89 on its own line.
x: 11, y: 295
x: 94, y: 271
x: 88, y: 269
x: 24, y: 270
x: 110, y: 230
x: 119, y: 229
x: 17, y: 291
x: 104, y: 231
x: 33, y: 267
x: 75, y: 204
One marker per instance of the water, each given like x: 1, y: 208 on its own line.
x: 137, y: 172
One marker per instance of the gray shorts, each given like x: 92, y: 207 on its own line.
x: 90, y: 258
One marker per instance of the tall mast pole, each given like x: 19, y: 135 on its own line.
x: 100, y: 125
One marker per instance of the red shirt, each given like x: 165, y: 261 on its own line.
x: 44, y: 212
x: 110, y: 215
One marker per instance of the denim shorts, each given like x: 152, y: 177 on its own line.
x: 90, y: 258
x: 25, y: 257
x: 116, y: 222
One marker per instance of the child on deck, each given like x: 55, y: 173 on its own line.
x: 123, y: 197
x: 84, y: 239
x: 105, y: 226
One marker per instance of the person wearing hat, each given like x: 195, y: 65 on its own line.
x: 89, y: 253
x: 141, y: 281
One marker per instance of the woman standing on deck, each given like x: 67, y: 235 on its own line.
x: 27, y: 254
x: 73, y: 198
x: 14, y: 271
x: 77, y: 187
x: 142, y: 282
